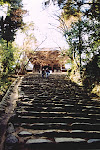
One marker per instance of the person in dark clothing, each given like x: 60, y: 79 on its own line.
x: 47, y: 72
x: 43, y: 73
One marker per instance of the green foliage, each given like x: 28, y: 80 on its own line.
x: 94, y: 11
x: 70, y: 9
x: 13, y: 21
x: 83, y: 38
x: 96, y: 90
x: 8, y: 64
x: 11, y: 2
x: 7, y: 58
x: 7, y: 32
x: 5, y: 82
x: 9, y: 53
x: 3, y: 2
x: 98, y: 62
x: 92, y: 73
x: 75, y: 41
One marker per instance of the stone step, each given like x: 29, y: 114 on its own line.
x: 41, y: 114
x: 59, y: 143
x: 68, y: 134
x: 59, y: 104
x: 39, y: 109
x: 86, y: 126
x: 44, y: 126
x: 63, y: 126
x: 71, y: 101
x: 57, y: 114
x: 67, y: 119
x: 39, y: 104
x: 52, y: 134
x: 57, y: 109
x: 33, y: 119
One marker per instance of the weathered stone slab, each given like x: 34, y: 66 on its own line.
x: 73, y: 131
x: 11, y: 139
x: 24, y: 133
x: 63, y: 139
x: 93, y: 140
x: 37, y: 141
x: 10, y: 128
x: 86, y: 126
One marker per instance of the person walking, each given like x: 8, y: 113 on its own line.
x: 47, y: 72
x: 43, y: 73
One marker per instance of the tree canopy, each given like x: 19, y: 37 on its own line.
x: 83, y: 34
x: 13, y: 20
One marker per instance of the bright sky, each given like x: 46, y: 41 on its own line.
x: 42, y: 19
x: 3, y: 10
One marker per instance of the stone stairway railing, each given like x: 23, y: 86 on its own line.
x: 53, y: 114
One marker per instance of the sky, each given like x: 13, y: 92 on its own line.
x: 45, y: 22
x: 3, y: 10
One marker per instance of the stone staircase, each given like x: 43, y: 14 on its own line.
x: 53, y: 114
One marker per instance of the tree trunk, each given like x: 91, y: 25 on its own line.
x: 7, y: 44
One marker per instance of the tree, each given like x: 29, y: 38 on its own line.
x: 7, y: 58
x: 13, y: 20
x: 72, y: 8
x: 9, y: 25
x: 87, y: 25
x: 30, y: 40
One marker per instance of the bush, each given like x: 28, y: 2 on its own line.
x: 91, y: 76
